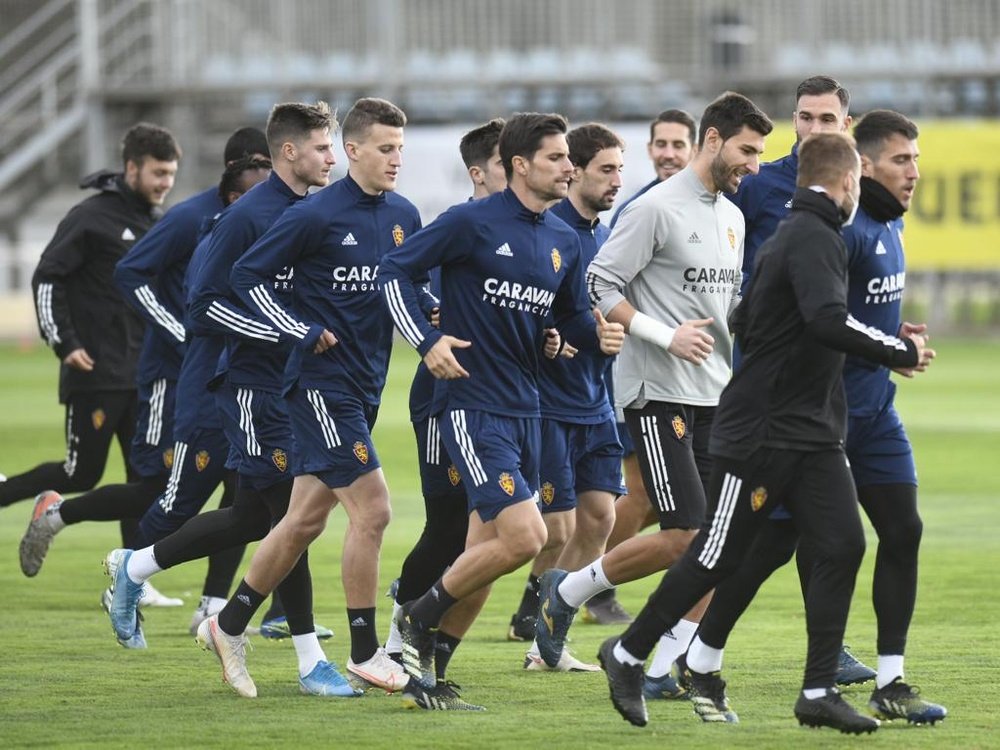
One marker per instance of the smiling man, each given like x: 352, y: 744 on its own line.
x: 509, y: 270
x: 670, y: 273
x: 340, y: 335
x: 83, y: 317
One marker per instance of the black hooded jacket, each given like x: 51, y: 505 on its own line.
x: 795, y: 328
x: 76, y: 302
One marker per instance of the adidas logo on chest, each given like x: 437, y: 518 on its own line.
x: 349, y: 240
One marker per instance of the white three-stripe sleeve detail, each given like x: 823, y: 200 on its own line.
x: 159, y: 313
x: 276, y: 314
x: 464, y: 441
x: 875, y: 334
x: 239, y: 324
x: 401, y: 316
x: 43, y: 300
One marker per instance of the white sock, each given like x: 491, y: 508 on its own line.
x: 889, y: 668
x: 672, y: 644
x: 142, y: 565
x: 624, y: 656
x: 702, y: 658
x: 309, y: 651
x: 213, y: 604
x: 812, y: 694
x: 578, y: 586
x: 394, y: 643
x: 54, y: 520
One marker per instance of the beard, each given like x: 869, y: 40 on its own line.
x: 721, y: 172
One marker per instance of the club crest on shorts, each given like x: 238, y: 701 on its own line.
x: 680, y: 428
x: 98, y: 418
x: 507, y: 483
x: 201, y: 459
x: 397, y: 235
x: 757, y: 498
x: 548, y: 493
x: 556, y: 260
x: 280, y: 459
x: 453, y: 476
x: 168, y: 458
x: 732, y: 237
x: 361, y: 452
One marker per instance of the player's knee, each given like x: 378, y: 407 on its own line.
x: 305, y: 528
x: 848, y: 551
x: 902, y: 538
x: 596, y: 520
x: 83, y: 478
x: 376, y: 519
x: 527, y: 544
x: 674, y: 543
x: 557, y: 531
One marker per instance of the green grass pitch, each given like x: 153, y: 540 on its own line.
x: 64, y: 681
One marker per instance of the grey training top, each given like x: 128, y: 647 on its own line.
x: 675, y: 254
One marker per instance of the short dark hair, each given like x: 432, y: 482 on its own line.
x: 235, y: 170
x: 294, y: 121
x: 145, y: 139
x: 478, y: 144
x: 587, y: 140
x: 820, y: 85
x: 876, y: 127
x: 370, y: 111
x: 825, y: 158
x: 674, y: 115
x: 522, y: 136
x: 730, y: 113
x: 245, y: 142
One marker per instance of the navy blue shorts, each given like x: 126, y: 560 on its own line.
x: 496, y: 456
x: 438, y: 474
x: 333, y: 433
x: 199, y: 467
x: 672, y: 447
x: 577, y: 458
x: 625, y: 438
x: 879, y: 451
x: 259, y: 431
x: 152, y: 451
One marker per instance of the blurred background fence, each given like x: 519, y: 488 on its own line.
x: 74, y: 74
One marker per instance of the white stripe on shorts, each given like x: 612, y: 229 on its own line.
x: 464, y: 441
x: 432, y: 451
x: 712, y: 550
x: 657, y: 463
x: 155, y: 427
x: 69, y: 466
x: 244, y: 397
x: 170, y: 494
x: 326, y: 423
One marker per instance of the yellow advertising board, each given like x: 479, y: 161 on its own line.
x: 954, y: 217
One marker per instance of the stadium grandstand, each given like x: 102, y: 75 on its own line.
x: 75, y: 73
